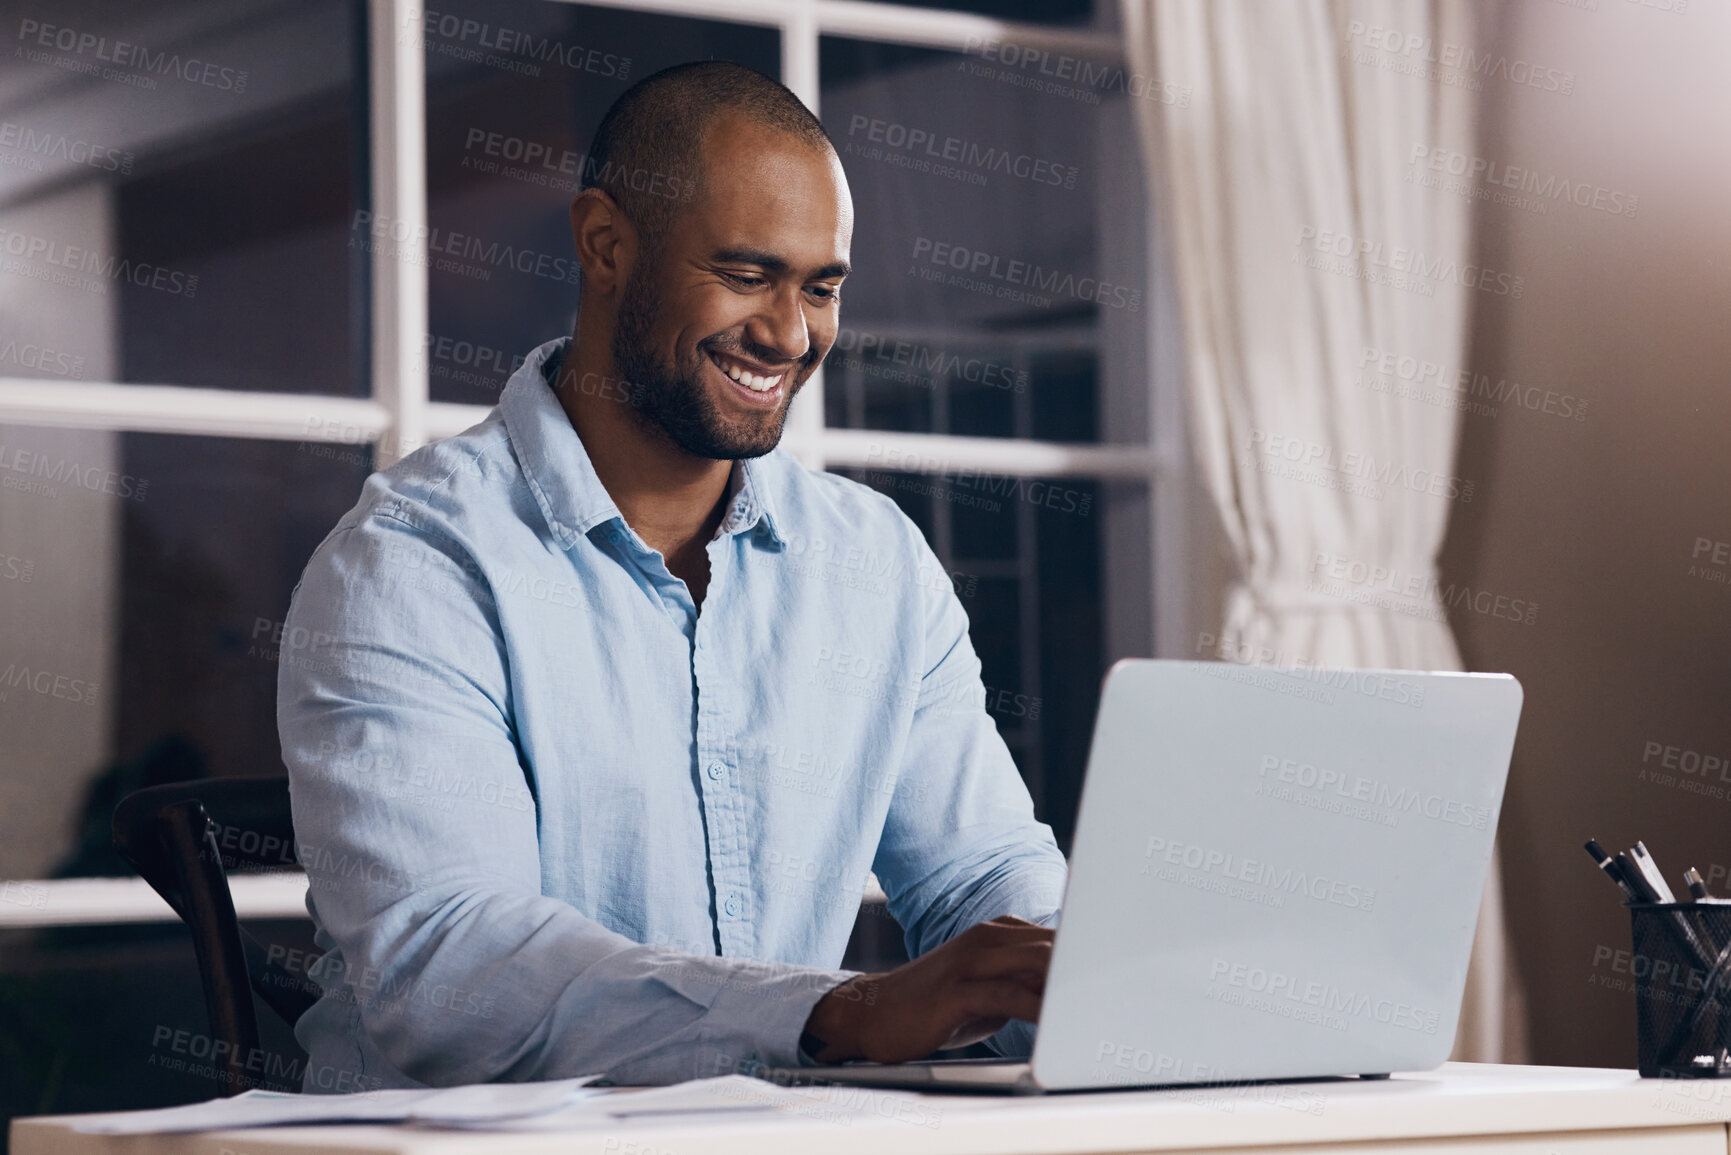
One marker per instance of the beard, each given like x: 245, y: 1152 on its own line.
x: 672, y: 396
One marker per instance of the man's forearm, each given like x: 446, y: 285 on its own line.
x: 555, y: 997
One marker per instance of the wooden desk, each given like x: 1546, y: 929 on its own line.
x: 1464, y: 1107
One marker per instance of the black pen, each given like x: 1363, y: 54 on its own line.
x: 1609, y: 866
x: 1633, y: 876
x: 1683, y: 933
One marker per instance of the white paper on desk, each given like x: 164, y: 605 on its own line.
x: 443, y: 1106
x: 722, y: 1095
x: 700, y: 1099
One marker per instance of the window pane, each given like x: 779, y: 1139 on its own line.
x: 976, y: 300
x: 176, y: 186
x: 143, y: 582
x: 1066, y: 12
x: 515, y: 90
x: 922, y: 380
x: 1024, y: 557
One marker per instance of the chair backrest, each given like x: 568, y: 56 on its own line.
x: 183, y: 837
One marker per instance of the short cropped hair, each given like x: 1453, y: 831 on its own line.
x: 648, y: 150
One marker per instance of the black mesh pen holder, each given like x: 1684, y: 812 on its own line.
x: 1682, y: 972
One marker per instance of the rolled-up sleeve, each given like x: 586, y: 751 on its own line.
x: 961, y: 844
x: 417, y: 825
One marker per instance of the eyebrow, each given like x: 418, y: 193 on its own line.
x: 770, y: 262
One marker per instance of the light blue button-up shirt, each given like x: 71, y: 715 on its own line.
x: 557, y: 822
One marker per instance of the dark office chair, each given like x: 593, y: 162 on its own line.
x: 183, y: 837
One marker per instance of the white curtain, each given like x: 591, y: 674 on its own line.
x: 1325, y: 316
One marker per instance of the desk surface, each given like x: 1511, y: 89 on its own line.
x: 1557, y: 1108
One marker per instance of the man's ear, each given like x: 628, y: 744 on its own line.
x: 605, y: 240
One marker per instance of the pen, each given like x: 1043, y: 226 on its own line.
x: 1626, y: 872
x: 1698, y: 887
x: 1636, y: 886
x: 1609, y: 866
x: 1637, y: 881
x: 1650, y: 871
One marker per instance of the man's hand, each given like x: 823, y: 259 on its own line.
x: 956, y: 994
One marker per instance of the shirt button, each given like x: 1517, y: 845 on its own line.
x: 732, y: 906
x: 717, y: 771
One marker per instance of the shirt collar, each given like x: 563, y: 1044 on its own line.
x: 563, y: 479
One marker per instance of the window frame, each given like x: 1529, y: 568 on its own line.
x: 398, y: 415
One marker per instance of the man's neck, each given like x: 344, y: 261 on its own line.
x: 673, y: 501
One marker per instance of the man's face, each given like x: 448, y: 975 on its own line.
x: 742, y: 303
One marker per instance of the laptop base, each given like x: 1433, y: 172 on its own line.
x: 984, y: 1076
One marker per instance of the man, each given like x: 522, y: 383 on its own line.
x: 597, y: 730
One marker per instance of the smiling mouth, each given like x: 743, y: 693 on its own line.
x: 746, y: 376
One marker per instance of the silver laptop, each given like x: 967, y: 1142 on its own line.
x: 1276, y: 875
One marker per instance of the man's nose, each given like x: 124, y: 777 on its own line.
x: 780, y: 328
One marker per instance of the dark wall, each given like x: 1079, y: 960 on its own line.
x: 1600, y: 519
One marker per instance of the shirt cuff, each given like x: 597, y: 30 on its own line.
x: 757, y: 1023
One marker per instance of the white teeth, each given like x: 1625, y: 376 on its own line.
x: 750, y: 380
